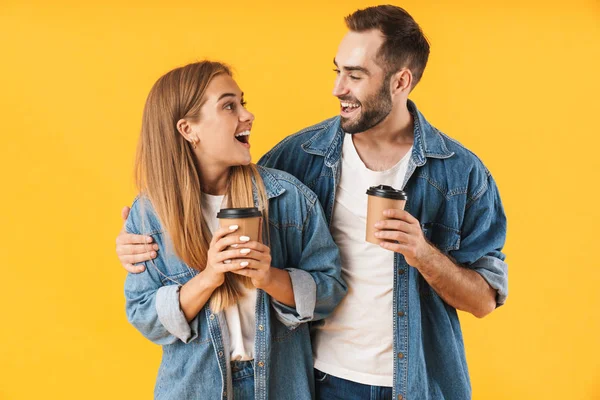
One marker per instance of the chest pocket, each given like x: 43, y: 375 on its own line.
x: 443, y: 237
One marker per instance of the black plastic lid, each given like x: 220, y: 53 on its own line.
x: 387, y: 192
x: 230, y: 213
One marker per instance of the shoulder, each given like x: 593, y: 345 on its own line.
x: 286, y: 185
x: 471, y: 167
x: 294, y: 141
x: 142, y: 217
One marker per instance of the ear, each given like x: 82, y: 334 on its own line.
x: 401, y: 81
x: 185, y: 129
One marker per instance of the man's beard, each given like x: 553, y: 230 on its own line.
x: 373, y: 110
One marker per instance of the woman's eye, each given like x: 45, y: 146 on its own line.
x: 243, y: 103
x: 228, y: 106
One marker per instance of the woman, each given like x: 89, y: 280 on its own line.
x: 230, y: 313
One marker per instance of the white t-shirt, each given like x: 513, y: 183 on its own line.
x: 355, y: 342
x: 240, y: 317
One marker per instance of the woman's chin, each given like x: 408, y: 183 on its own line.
x: 242, y: 162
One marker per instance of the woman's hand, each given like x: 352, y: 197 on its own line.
x: 255, y: 263
x: 221, y: 252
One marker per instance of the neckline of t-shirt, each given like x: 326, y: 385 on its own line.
x: 212, y: 199
x: 356, y: 160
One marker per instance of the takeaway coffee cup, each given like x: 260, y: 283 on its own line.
x: 381, y: 198
x: 248, y: 220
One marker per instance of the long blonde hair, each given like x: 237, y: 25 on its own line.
x: 167, y: 174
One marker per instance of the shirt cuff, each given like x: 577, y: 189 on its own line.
x: 495, y: 272
x: 170, y: 314
x: 305, y: 296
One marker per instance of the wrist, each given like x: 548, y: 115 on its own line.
x: 212, y: 280
x: 266, y: 282
x: 427, y: 257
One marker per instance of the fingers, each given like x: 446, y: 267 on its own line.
x: 222, y: 232
x: 131, y: 249
x: 395, y: 225
x: 137, y: 258
x: 250, y: 264
x: 232, y: 267
x: 242, y: 253
x: 409, y: 251
x: 231, y: 240
x: 257, y: 247
x: 130, y: 238
x: 134, y: 269
x: 231, y: 254
x: 135, y: 249
x: 401, y: 215
x: 396, y: 247
x: 395, y: 236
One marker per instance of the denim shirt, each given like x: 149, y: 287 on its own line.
x: 195, y: 362
x: 456, y: 200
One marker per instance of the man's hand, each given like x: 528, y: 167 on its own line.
x: 134, y: 249
x: 404, y: 229
x: 460, y: 287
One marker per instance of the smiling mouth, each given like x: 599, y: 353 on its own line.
x: 243, y: 137
x: 348, y: 107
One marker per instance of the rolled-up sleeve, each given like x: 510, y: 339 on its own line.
x: 482, y: 239
x: 172, y: 317
x: 305, y: 297
x: 152, y: 307
x: 495, y: 272
x: 316, y: 276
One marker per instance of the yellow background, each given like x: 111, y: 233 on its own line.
x: 516, y: 82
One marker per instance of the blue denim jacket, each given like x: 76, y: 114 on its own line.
x: 456, y: 200
x: 195, y: 362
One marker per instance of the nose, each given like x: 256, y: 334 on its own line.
x: 339, y: 88
x: 246, y: 116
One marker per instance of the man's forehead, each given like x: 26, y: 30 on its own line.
x: 359, y: 48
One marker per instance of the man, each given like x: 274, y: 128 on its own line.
x: 397, y: 333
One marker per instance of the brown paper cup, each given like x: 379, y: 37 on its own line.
x: 249, y: 221
x: 381, y: 198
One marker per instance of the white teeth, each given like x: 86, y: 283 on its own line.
x: 349, y: 105
x: 245, y: 133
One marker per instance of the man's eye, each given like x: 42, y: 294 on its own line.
x: 337, y: 71
x: 354, y: 78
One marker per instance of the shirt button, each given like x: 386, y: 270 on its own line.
x: 400, y: 355
x: 261, y: 364
x: 400, y: 271
x: 220, y: 354
x: 261, y: 328
x: 212, y: 316
x: 401, y: 313
x: 400, y: 397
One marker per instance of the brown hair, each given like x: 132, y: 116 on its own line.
x: 404, y: 45
x: 166, y: 172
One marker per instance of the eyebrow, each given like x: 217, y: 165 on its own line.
x: 228, y: 95
x: 353, y: 68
